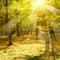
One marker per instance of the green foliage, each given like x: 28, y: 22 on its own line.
x: 22, y: 9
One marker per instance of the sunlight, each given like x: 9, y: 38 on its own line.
x: 53, y: 9
x: 32, y: 18
x: 44, y: 4
x: 38, y: 3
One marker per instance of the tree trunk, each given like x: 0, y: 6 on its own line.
x: 6, y: 20
x: 52, y: 44
x: 47, y: 57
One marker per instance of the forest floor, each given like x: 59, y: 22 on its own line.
x: 24, y: 48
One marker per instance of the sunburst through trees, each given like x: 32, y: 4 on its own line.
x: 31, y: 22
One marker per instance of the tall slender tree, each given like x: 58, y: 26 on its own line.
x: 6, y: 20
x: 6, y: 4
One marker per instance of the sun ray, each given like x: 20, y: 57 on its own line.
x: 38, y: 3
x: 53, y: 9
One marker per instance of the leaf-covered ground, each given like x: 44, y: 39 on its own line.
x: 26, y: 50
